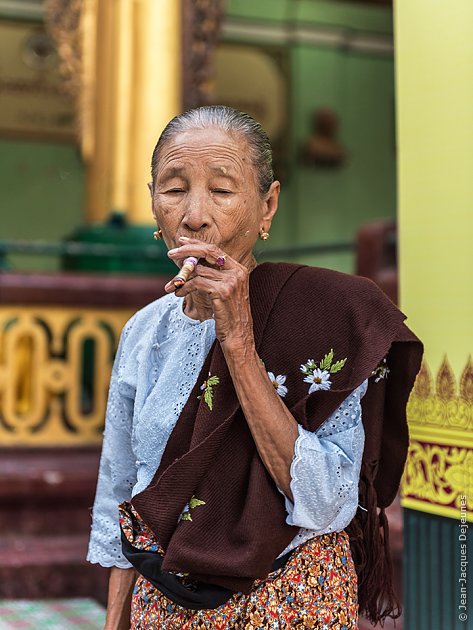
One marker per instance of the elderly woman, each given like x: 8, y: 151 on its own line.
x: 255, y: 413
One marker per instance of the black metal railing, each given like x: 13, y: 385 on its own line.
x: 74, y: 249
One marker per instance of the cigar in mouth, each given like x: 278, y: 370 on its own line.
x: 187, y: 268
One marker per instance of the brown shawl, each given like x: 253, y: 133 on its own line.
x: 299, y: 313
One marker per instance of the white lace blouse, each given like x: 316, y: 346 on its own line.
x: 159, y: 358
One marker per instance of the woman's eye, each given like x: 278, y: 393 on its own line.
x: 175, y: 190
x: 222, y: 191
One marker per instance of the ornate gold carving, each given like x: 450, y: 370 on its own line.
x: 201, y: 28
x: 55, y: 366
x: 63, y: 23
x: 466, y: 383
x: 442, y: 407
x: 72, y: 24
x: 439, y: 469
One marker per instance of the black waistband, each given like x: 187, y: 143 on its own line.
x: 200, y: 596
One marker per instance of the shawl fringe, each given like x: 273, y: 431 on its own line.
x: 369, y: 542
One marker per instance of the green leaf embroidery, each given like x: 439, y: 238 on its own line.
x: 337, y: 366
x: 186, y: 516
x: 194, y: 502
x: 208, y: 391
x: 208, y: 397
x: 327, y: 361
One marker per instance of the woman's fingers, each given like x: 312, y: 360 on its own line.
x: 200, y: 270
x: 215, y: 287
x: 208, y: 251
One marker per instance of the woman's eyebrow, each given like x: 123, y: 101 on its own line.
x: 224, y: 171
x: 172, y: 171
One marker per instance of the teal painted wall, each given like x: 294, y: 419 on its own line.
x: 432, y: 570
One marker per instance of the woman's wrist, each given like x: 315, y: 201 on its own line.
x: 239, y: 352
x: 120, y: 592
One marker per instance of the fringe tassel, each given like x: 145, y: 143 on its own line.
x: 369, y: 541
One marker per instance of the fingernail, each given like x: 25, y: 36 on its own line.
x: 171, y: 252
x: 184, y: 238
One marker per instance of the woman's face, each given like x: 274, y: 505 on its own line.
x: 205, y: 187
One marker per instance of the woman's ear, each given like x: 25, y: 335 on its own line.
x: 271, y: 204
x: 151, y: 188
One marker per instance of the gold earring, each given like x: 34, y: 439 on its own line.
x: 263, y: 235
x: 158, y: 235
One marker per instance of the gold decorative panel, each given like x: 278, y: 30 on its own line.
x: 32, y: 102
x: 439, y: 472
x: 55, y: 366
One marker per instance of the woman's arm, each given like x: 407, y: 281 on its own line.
x: 120, y: 590
x: 273, y: 427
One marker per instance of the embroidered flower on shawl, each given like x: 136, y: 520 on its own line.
x: 186, y: 512
x: 278, y: 383
x: 319, y: 379
x: 319, y: 375
x: 207, y: 388
x: 308, y: 367
x: 381, y: 371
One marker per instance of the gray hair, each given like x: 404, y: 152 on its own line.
x: 229, y: 120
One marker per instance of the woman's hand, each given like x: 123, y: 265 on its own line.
x: 226, y: 289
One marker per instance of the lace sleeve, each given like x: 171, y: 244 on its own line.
x: 325, y: 470
x: 117, y: 475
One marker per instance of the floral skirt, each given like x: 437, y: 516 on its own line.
x: 316, y: 589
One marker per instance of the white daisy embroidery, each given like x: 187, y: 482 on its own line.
x: 319, y: 379
x: 308, y: 367
x: 278, y: 383
x: 319, y: 375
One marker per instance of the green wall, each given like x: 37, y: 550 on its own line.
x: 42, y: 184
x: 321, y: 206
x: 42, y: 190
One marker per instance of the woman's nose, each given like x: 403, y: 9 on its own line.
x: 196, y: 217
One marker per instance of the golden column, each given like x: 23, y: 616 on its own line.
x: 434, y: 67
x: 134, y: 80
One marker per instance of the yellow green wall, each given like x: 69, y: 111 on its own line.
x: 435, y: 126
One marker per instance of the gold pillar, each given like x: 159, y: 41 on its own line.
x: 137, y: 90
x: 434, y: 64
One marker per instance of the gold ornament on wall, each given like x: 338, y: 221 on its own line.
x: 72, y: 25
x: 53, y: 386
x: 438, y: 477
x: 201, y: 22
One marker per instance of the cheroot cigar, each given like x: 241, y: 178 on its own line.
x: 187, y: 268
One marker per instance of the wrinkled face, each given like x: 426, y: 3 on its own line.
x: 205, y: 187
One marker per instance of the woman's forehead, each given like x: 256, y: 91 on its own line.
x: 222, y: 151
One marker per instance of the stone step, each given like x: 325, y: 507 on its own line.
x: 37, y: 567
